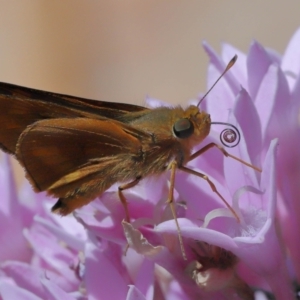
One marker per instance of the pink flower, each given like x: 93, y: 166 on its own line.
x: 272, y: 85
x: 39, y: 255
x: 44, y: 256
x: 260, y: 95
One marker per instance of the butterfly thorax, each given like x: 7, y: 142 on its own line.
x: 164, y: 146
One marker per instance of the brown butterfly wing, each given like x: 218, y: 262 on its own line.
x: 77, y: 159
x: 21, y: 107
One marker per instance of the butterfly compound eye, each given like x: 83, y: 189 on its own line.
x: 183, y: 128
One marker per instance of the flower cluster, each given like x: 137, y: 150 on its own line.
x: 96, y: 255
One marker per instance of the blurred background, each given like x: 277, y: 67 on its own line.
x: 123, y: 50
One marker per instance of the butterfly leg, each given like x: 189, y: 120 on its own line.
x: 212, y: 186
x: 170, y: 201
x: 124, y: 201
x: 211, y: 145
x: 122, y: 197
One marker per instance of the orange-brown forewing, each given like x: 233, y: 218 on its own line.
x: 21, y: 107
x: 76, y: 159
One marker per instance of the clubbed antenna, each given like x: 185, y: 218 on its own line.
x: 228, y: 67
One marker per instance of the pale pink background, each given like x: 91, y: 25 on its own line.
x: 123, y: 50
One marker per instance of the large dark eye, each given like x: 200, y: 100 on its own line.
x: 183, y: 128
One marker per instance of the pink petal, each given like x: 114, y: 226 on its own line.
x: 10, y: 291
x: 54, y: 292
x: 145, y: 278
x: 271, y: 102
x: 291, y: 59
x: 55, y: 255
x: 236, y: 173
x: 70, y: 239
x: 246, y: 114
x: 102, y: 278
x: 258, y: 63
x: 13, y: 243
x: 25, y: 276
x: 135, y: 294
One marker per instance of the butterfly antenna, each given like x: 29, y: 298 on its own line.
x: 228, y: 67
